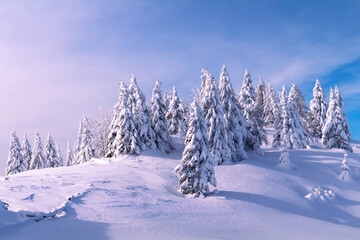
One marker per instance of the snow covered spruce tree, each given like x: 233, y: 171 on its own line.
x: 126, y: 140
x: 336, y: 132
x: 51, y: 155
x: 158, y: 122
x: 345, y: 169
x: 58, y: 151
x: 289, y: 132
x: 86, y: 149
x: 15, y: 159
x: 300, y: 103
x: 317, y: 111
x: 69, y: 156
x: 196, y: 170
x: 232, y: 117
x: 214, y: 117
x: 260, y: 98
x: 26, y: 153
x: 271, y: 106
x: 175, y: 115
x: 38, y: 160
x: 247, y: 102
x: 141, y: 114
x: 123, y: 138
x: 285, y: 157
x: 77, y: 143
x: 167, y: 99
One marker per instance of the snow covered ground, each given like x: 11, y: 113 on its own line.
x: 135, y: 197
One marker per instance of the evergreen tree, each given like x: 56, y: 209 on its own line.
x: 271, y: 106
x: 175, y: 114
x: 247, y: 102
x: 186, y: 117
x: 260, y: 98
x: 196, y: 169
x: 336, y: 132
x: 345, y: 170
x: 232, y: 117
x: 58, y: 151
x: 15, y: 158
x: 214, y: 116
x: 38, y: 160
x: 77, y: 144
x: 317, y: 112
x: 69, y: 156
x: 126, y: 140
x: 158, y: 122
x: 50, y: 152
x: 289, y: 131
x: 285, y: 157
x: 86, y: 149
x: 167, y: 99
x: 300, y: 103
x: 141, y: 114
x: 26, y: 153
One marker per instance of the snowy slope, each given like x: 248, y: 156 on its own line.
x: 135, y: 197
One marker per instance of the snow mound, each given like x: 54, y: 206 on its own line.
x: 320, y: 194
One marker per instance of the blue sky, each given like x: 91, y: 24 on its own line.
x: 60, y: 60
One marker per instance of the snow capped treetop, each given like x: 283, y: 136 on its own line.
x: 300, y: 102
x: 135, y: 93
x: 283, y: 97
x: 214, y: 116
x: 15, y: 158
x: 204, y: 78
x: 317, y: 111
x: 261, y: 97
x: 271, y: 106
x: 69, y: 155
x: 38, y: 160
x: 58, y: 151
x: 50, y: 152
x: 247, y: 92
x: 26, y: 153
x: 336, y: 132
x: 175, y: 114
x: 232, y: 116
x: 158, y: 123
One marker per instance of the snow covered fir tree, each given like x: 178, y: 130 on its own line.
x: 345, y: 170
x: 196, y: 170
x: 214, y: 117
x: 141, y: 114
x: 234, y: 119
x: 234, y: 124
x: 123, y: 137
x: 176, y: 115
x: 38, y: 159
x: 51, y: 154
x: 26, y: 154
x: 317, y: 111
x: 15, y: 159
x: 289, y: 131
x: 248, y: 105
x: 158, y: 122
x: 336, y: 132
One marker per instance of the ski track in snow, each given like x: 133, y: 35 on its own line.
x: 136, y: 197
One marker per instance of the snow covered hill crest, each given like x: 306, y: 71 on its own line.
x: 136, y: 197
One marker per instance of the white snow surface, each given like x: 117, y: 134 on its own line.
x: 136, y: 197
